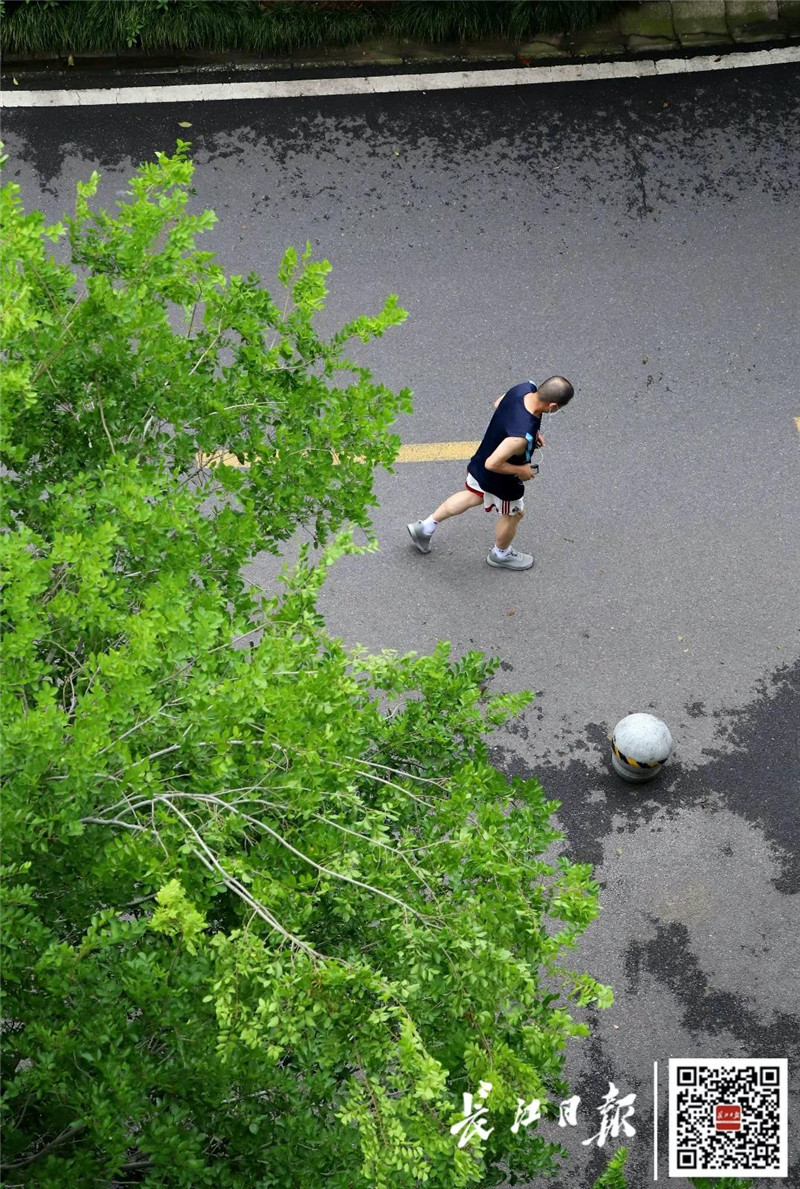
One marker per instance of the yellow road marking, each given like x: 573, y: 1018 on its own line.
x: 220, y: 459
x: 419, y: 452
x: 437, y: 451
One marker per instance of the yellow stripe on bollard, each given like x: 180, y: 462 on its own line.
x: 634, y: 763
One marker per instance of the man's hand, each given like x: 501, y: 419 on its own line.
x: 526, y: 473
x: 539, y: 440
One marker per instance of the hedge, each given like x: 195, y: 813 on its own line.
x: 261, y: 26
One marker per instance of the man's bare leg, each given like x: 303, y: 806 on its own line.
x: 506, y: 529
x: 460, y: 502
x: 421, y: 531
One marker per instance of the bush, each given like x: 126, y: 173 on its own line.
x: 175, y: 26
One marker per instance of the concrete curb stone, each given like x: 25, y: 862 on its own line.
x: 597, y: 40
x: 535, y: 50
x: 651, y: 19
x: 789, y: 16
x: 490, y: 49
x: 599, y: 49
x: 700, y: 22
x: 558, y: 40
x: 445, y: 51
x: 651, y: 45
x: 387, y: 53
x: 751, y: 20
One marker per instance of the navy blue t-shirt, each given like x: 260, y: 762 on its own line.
x: 511, y: 420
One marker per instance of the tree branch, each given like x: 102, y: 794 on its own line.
x: 105, y: 427
x: 66, y: 1135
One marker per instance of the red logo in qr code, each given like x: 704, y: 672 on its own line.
x: 728, y: 1117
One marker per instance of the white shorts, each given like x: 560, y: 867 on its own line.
x: 504, y: 507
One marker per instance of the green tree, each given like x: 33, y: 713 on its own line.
x: 269, y: 911
x: 614, y: 1175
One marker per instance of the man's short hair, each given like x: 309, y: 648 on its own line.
x: 557, y: 391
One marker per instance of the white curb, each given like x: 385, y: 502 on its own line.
x: 456, y: 80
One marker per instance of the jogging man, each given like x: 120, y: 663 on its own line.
x: 499, y: 467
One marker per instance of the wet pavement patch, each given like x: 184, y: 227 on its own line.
x: 753, y: 772
x: 668, y: 958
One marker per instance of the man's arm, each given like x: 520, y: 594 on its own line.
x: 498, y: 462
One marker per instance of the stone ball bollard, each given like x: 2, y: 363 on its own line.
x: 640, y: 745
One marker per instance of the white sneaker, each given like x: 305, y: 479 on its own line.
x: 421, y: 539
x: 512, y: 560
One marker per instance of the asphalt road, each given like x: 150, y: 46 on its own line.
x: 639, y: 236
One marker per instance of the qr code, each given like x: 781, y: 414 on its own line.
x: 727, y: 1117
